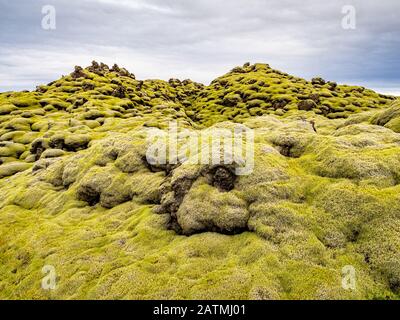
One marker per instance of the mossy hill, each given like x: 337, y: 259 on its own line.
x: 78, y: 194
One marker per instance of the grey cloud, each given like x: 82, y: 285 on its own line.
x: 201, y: 39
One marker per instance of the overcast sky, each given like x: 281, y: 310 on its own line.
x: 201, y: 39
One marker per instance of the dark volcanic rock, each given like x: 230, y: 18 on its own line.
x: 307, y: 105
x: 223, y: 179
x: 78, y: 73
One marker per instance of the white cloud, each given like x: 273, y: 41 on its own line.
x: 26, y: 68
x: 135, y: 5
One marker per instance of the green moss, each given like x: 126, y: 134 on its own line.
x: 76, y: 141
x: 11, y: 149
x: 12, y: 168
x: 24, y: 101
x: 7, y: 109
x: 316, y: 201
x: 52, y: 153
x: 394, y: 124
x: 224, y: 211
x: 55, y: 102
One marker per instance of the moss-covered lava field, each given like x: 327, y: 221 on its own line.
x: 78, y: 194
